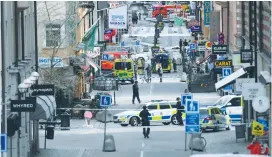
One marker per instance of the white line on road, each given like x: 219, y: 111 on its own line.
x: 143, y: 144
x: 142, y: 154
x: 150, y: 90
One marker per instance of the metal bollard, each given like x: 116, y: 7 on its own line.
x: 197, y: 142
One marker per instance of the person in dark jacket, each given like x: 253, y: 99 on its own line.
x: 145, y: 121
x: 160, y: 71
x: 180, y: 109
x: 135, y: 89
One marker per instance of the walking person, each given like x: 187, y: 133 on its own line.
x: 180, y: 109
x: 148, y: 72
x: 174, y: 64
x: 135, y: 89
x: 145, y: 121
x: 160, y: 71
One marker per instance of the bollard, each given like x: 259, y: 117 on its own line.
x: 109, y: 144
x: 197, y: 143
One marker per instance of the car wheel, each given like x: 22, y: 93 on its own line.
x: 166, y: 123
x: 216, y: 128
x: 174, y: 120
x: 133, y: 121
x: 123, y: 125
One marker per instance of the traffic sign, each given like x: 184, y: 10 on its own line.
x: 4, y: 142
x: 192, y: 119
x: 192, y: 46
x: 105, y: 57
x: 192, y: 128
x: 192, y: 106
x: 105, y: 101
x: 226, y: 72
x: 185, y: 97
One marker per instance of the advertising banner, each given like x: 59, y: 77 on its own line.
x: 207, y: 11
x: 214, y: 25
x: 118, y: 18
x: 46, y: 62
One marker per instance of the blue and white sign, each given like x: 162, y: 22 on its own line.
x: 226, y: 72
x: 137, y: 43
x: 185, y: 97
x: 105, y: 57
x: 46, y: 62
x: 105, y: 101
x: 192, y: 46
x: 192, y: 119
x: 192, y: 106
x: 192, y: 128
x: 196, y: 29
x: 4, y: 142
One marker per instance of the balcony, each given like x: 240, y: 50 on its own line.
x: 222, y: 4
x: 86, y: 4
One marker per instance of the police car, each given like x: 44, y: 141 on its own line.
x: 231, y: 105
x: 161, y: 112
x: 213, y: 118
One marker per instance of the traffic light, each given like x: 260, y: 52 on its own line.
x: 50, y: 132
x: 13, y: 124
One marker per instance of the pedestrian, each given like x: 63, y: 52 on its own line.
x: 180, y: 109
x: 174, y: 64
x: 148, y: 72
x: 160, y: 71
x: 135, y: 89
x: 145, y: 121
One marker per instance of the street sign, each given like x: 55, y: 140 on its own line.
x: 226, y: 72
x: 4, y: 142
x: 201, y: 47
x: 192, y: 46
x: 28, y: 105
x: 252, y: 90
x: 105, y: 101
x: 192, y: 128
x: 192, y: 106
x: 185, y: 97
x: 192, y: 119
x: 241, y: 81
x: 196, y: 29
x: 43, y: 89
x: 105, y: 56
x: 219, y: 49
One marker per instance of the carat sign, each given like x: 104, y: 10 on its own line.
x: 252, y: 90
x: 118, y: 18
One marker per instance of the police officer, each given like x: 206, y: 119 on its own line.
x: 179, y: 111
x: 135, y: 90
x: 160, y: 71
x: 145, y: 122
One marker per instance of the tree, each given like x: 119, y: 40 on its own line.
x: 60, y: 20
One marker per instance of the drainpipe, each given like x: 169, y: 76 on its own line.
x: 228, y: 27
x: 23, y: 34
x: 3, y: 124
x: 255, y: 42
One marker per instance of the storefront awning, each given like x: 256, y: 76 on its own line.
x: 93, y: 64
x: 231, y: 78
x: 45, y: 108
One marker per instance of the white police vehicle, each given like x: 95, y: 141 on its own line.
x: 232, y: 105
x: 161, y: 112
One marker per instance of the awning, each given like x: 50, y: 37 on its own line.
x: 45, y: 108
x: 230, y: 79
x: 93, y: 64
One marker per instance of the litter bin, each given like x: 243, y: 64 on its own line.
x: 65, y: 121
x: 240, y: 130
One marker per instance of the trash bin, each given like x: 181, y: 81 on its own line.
x: 65, y: 121
x: 240, y: 130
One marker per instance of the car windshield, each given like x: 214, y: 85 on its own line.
x: 123, y: 65
x: 223, y: 100
x: 203, y: 112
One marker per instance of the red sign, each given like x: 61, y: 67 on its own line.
x: 107, y: 37
x: 220, y: 38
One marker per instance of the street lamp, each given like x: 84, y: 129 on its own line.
x: 28, y: 82
x: 35, y: 74
x: 22, y: 88
x: 32, y: 79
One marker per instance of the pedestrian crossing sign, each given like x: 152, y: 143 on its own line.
x: 226, y: 72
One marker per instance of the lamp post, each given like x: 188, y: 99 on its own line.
x: 22, y: 87
x: 28, y: 82
x: 36, y: 75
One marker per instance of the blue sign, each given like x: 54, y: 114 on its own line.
x: 226, y: 72
x: 192, y: 128
x: 122, y: 43
x: 196, y: 29
x: 105, y: 57
x: 192, y: 119
x: 207, y: 11
x: 228, y: 88
x: 185, y: 97
x: 4, y: 142
x: 105, y: 101
x: 192, y: 46
x: 137, y: 43
x: 192, y: 106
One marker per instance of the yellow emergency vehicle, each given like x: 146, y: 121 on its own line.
x: 124, y: 69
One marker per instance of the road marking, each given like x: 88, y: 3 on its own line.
x: 150, y: 90
x: 142, y: 154
x: 143, y: 144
